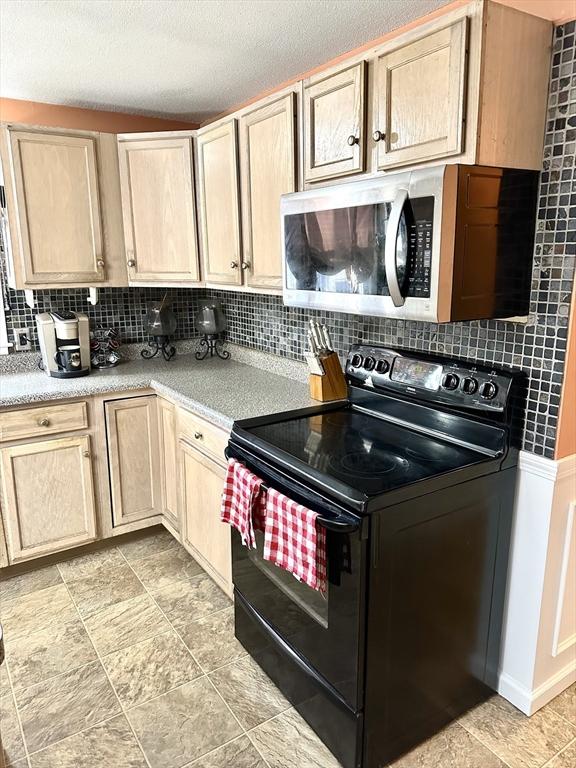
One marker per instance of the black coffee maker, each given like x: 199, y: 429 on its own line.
x: 64, y: 338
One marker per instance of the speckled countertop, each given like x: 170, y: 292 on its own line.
x: 220, y: 390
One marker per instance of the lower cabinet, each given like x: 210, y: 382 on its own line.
x: 133, y: 458
x: 48, y: 496
x: 203, y: 534
x: 168, y: 459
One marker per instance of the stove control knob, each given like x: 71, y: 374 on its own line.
x: 356, y: 361
x: 451, y: 381
x: 369, y: 363
x: 469, y: 385
x: 382, y: 366
x: 489, y: 390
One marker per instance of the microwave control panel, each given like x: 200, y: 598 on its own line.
x: 420, y: 231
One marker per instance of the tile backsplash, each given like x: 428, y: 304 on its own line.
x: 538, y: 347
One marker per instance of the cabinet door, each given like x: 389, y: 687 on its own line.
x: 219, y: 204
x: 156, y: 178
x: 56, y: 184
x: 207, y: 538
x: 133, y: 457
x: 168, y: 461
x: 334, y: 125
x: 269, y: 171
x: 420, y: 94
x: 49, y: 496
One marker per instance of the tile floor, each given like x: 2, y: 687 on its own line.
x: 126, y: 658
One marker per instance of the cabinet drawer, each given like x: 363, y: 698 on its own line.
x: 203, y: 435
x: 43, y: 420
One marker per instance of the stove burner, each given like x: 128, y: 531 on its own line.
x: 365, y: 464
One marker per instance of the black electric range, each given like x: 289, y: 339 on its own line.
x: 413, y: 479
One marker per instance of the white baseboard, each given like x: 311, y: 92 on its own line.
x: 530, y: 701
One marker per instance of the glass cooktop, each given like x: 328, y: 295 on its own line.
x: 364, y: 452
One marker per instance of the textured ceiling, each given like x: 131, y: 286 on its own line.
x: 186, y: 59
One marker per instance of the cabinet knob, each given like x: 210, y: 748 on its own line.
x: 378, y: 136
x: 233, y: 265
x: 44, y: 422
x: 245, y: 265
x: 86, y: 454
x: 352, y: 140
x: 100, y: 263
x: 198, y: 435
x: 131, y: 263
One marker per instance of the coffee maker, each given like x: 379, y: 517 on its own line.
x: 64, y: 338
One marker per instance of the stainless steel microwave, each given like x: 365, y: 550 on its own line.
x: 445, y: 243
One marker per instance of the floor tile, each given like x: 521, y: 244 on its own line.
x: 182, y: 725
x: 125, y: 623
x: 182, y: 601
x: 65, y: 705
x: 90, y: 564
x: 288, y: 742
x: 174, y: 566
x: 36, y: 611
x: 566, y: 758
x: 150, y: 668
x: 249, y: 692
x: 108, y: 745
x: 210, y: 638
x: 520, y: 741
x: 104, y: 588
x: 565, y: 704
x: 39, y: 656
x: 11, y: 744
x: 454, y: 746
x: 16, y: 586
x: 239, y: 753
x: 4, y: 680
x: 160, y: 541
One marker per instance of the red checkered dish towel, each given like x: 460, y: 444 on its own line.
x: 293, y: 542
x: 240, y: 500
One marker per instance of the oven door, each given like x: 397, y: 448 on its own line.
x: 326, y: 632
x: 370, y: 247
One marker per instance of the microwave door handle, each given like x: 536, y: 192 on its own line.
x: 390, y: 247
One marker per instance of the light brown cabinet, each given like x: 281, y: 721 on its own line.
x: 219, y: 203
x: 157, y: 183
x: 133, y: 458
x: 334, y: 124
x: 268, y: 152
x: 167, y: 434
x: 48, y: 493
x: 203, y: 533
x: 56, y: 187
x: 419, y: 96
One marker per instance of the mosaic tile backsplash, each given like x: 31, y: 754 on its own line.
x: 537, y: 347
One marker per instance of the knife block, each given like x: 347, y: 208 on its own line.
x: 331, y: 386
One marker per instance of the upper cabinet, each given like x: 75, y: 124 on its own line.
x: 157, y: 183
x: 64, y: 208
x: 419, y: 98
x: 57, y: 198
x: 268, y: 152
x: 334, y: 124
x: 219, y: 203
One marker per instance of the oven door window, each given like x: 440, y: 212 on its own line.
x: 310, y: 601
x: 342, y: 250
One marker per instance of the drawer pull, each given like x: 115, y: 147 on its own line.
x: 44, y: 422
x: 378, y: 136
x: 86, y: 454
x: 198, y: 435
x: 351, y: 140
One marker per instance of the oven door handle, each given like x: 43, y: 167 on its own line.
x: 390, y: 247
x: 336, y: 525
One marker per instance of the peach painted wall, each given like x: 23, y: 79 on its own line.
x: 58, y: 116
x: 566, y: 436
